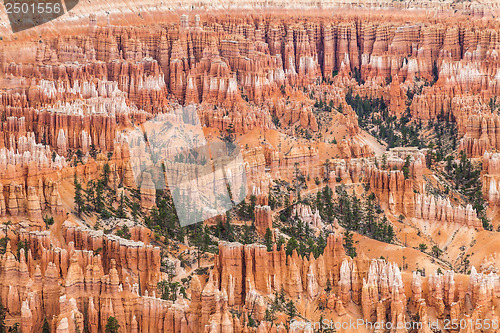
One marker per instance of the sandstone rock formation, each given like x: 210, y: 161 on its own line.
x: 263, y: 219
x: 71, y: 102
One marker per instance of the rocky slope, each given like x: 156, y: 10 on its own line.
x: 314, y: 102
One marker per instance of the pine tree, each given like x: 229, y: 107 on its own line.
x: 328, y: 287
x: 319, y: 202
x: 406, y: 167
x: 135, y: 210
x: 291, y: 245
x: 251, y: 207
x: 206, y: 239
x: 22, y: 245
x: 320, y: 246
x: 300, y: 230
x: 77, y: 328
x: 79, y: 200
x: 5, y: 240
x: 270, y: 315
x: 436, y: 251
x: 268, y: 239
x: 120, y: 212
x: 349, y: 244
x: 290, y: 311
x: 328, y: 203
x: 287, y: 201
x: 99, y: 201
x: 248, y: 236
x: 17, y: 329
x: 3, y: 313
x: 273, y: 203
x: 467, y: 179
x: 311, y: 246
x: 228, y: 228
x: 219, y: 228
x: 280, y: 243
x: 327, y: 165
x: 198, y: 241
x: 112, y: 325
x: 243, y: 209
x: 90, y: 194
x: 105, y: 174
x: 384, y: 161
x: 370, y: 213
x: 389, y: 233
x: 45, y: 327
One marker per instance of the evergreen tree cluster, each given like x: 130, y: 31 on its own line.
x: 350, y: 250
x: 163, y: 218
x: 247, y: 210
x: 124, y: 232
x: 444, y: 138
x: 302, y: 236
x: 298, y: 229
x: 15, y: 328
x: 356, y: 74
x: 466, y: 177
x: 98, y: 197
x: 4, y: 241
x: 311, y: 245
x: 169, y: 290
x: 494, y: 105
x: 281, y: 303
x: 325, y: 107
x: 365, y: 217
x: 373, y: 116
x: 112, y: 325
x: 224, y: 230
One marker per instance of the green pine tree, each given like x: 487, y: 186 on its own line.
x: 268, y: 239
x: 79, y: 200
x: 248, y: 235
x: 105, y: 174
x: 290, y: 311
x: 349, y: 244
x: 45, y: 327
x: 291, y: 245
x: 112, y: 325
x: 17, y: 329
x: 3, y: 313
x: 228, y: 228
x: 120, y: 212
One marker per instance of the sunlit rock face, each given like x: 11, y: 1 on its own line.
x: 73, y: 91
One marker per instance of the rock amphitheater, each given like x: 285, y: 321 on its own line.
x: 342, y: 112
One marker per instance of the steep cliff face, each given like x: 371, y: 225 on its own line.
x: 217, y: 62
x: 480, y: 135
x: 134, y: 259
x: 64, y: 283
x: 32, y: 174
x: 75, y: 125
x: 263, y: 219
x: 96, y: 274
x: 29, y: 180
x: 380, y: 290
x: 405, y: 194
x: 78, y: 91
x: 240, y: 269
x: 490, y: 177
